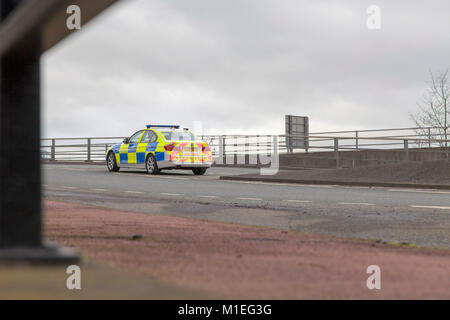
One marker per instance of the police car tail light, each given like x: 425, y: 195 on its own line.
x: 169, y: 147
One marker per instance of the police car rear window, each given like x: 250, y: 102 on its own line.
x: 178, y: 136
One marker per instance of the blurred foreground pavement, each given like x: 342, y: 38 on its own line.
x: 97, y: 282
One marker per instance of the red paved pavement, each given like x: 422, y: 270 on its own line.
x: 234, y: 261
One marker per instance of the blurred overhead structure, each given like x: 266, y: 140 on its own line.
x: 27, y: 29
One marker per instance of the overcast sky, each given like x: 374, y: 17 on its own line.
x: 239, y: 66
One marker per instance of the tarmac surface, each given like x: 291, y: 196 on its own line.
x: 220, y: 260
x: 413, y: 216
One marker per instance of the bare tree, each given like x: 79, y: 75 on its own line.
x: 434, y: 115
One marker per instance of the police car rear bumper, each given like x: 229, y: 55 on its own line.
x: 167, y: 164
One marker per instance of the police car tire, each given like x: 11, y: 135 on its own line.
x: 115, y: 167
x: 199, y: 171
x: 156, y: 170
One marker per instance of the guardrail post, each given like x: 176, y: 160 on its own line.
x: 336, y: 151
x: 357, y: 140
x: 219, y: 155
x: 235, y: 156
x: 289, y: 143
x: 224, y: 146
x: 89, y: 149
x: 429, y: 137
x: 247, y: 151
x: 221, y: 158
x: 306, y: 143
x: 52, y: 151
x: 257, y: 149
x: 406, y: 148
x: 257, y: 143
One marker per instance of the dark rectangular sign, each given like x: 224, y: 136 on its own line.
x: 297, y: 131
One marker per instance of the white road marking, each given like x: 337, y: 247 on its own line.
x: 172, y: 178
x: 170, y: 194
x: 355, y: 187
x: 137, y: 192
x: 356, y: 203
x: 419, y: 190
x: 101, y: 190
x: 143, y: 175
x: 64, y: 187
x: 281, y: 184
x: 302, y: 201
x: 319, y: 185
x: 430, y: 207
x: 246, y: 182
x: 253, y: 199
x: 201, y: 196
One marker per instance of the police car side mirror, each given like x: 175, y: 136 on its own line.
x: 126, y: 140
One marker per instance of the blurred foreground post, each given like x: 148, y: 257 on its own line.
x: 20, y: 198
x: 27, y: 29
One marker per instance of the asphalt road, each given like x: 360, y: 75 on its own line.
x: 411, y: 216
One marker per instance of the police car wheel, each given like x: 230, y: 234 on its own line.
x: 111, y: 162
x: 151, y: 165
x: 199, y: 171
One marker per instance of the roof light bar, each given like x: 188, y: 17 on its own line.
x: 163, y: 126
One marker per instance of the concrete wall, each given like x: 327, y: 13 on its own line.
x: 351, y: 159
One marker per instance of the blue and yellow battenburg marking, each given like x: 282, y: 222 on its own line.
x: 137, y: 152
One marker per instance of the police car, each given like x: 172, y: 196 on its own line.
x: 160, y: 147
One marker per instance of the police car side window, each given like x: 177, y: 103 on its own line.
x: 153, y: 138
x: 135, y: 137
x: 146, y: 137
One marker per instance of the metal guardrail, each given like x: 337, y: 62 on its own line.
x: 323, y: 145
x: 77, y: 149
